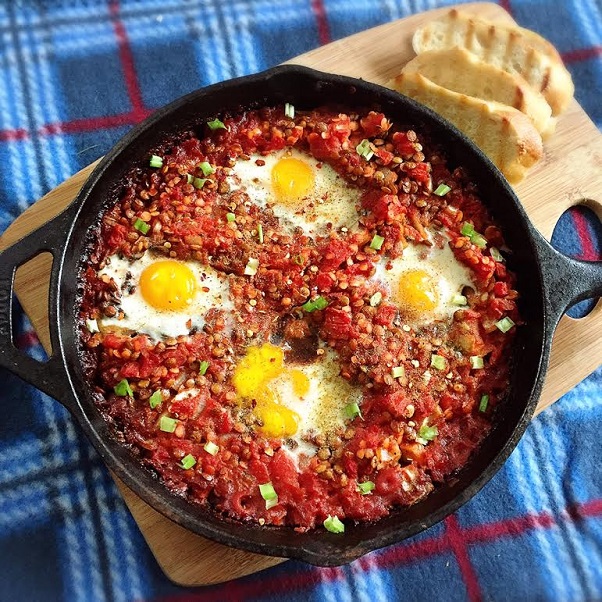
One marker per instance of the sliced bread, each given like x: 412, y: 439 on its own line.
x: 503, y: 133
x: 505, y: 47
x: 461, y: 71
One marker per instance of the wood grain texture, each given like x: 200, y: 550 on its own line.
x: 570, y: 173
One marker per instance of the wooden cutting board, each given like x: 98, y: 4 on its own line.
x: 570, y: 173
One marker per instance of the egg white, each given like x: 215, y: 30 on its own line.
x: 321, y: 410
x: 449, y: 275
x: 332, y: 200
x: 212, y: 290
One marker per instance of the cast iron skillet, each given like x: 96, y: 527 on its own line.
x: 549, y: 283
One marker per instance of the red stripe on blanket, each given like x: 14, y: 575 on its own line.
x: 505, y: 4
x: 317, y: 6
x: 88, y: 124
x: 12, y: 135
x: 588, y: 250
x: 581, y: 54
x: 458, y: 544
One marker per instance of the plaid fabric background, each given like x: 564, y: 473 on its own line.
x: 74, y: 77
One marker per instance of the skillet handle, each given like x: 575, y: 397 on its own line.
x: 49, y: 376
x: 567, y: 281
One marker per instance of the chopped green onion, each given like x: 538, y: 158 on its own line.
x: 476, y: 362
x: 198, y: 182
x: 496, y: 254
x: 438, y: 361
x: 141, y: 226
x: 155, y: 399
x: 156, y: 161
x: 483, y: 403
x: 203, y: 367
x: 289, y: 110
x: 352, y: 410
x: 189, y: 178
x: 271, y: 503
x: 92, y: 326
x: 314, y: 304
x: 216, y: 124
x: 459, y: 300
x: 268, y: 492
x: 188, y: 462
x: 260, y: 233
x: 230, y: 217
x: 206, y: 168
x: 334, y: 525
x: 505, y: 324
x: 398, y: 371
x: 211, y: 448
x: 478, y: 240
x: 376, y: 299
x: 167, y: 424
x: 377, y: 242
x: 122, y: 388
x: 442, y: 190
x: 363, y: 149
x: 251, y: 267
x: 467, y: 229
x: 366, y: 487
x: 427, y: 433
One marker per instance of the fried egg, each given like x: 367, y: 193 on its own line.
x: 164, y: 297
x: 292, y: 400
x: 424, y: 282
x: 300, y: 190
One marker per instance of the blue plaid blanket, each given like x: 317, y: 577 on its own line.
x: 74, y: 77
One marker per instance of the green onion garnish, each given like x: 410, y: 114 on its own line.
x: 352, y: 410
x: 122, y: 388
x: 438, y: 361
x: 377, y: 242
x: 230, y: 217
x: 289, y: 110
x: 314, y: 304
x: 203, y: 367
x: 155, y: 399
x: 363, y: 149
x: 334, y: 525
x: 271, y: 503
x: 198, y: 182
x: 459, y: 300
x: 428, y: 433
x: 268, y: 492
x: 476, y: 362
x: 505, y: 324
x: 167, y: 424
x: 496, y: 254
x: 188, y: 462
x: 478, y: 240
x: 442, y: 190
x: 467, y: 229
x: 189, y: 178
x: 251, y: 267
x: 366, y: 487
x: 216, y: 124
x: 376, y: 299
x: 211, y: 448
x: 206, y: 168
x: 483, y: 403
x: 398, y: 372
x: 260, y: 233
x: 141, y: 226
x: 156, y: 161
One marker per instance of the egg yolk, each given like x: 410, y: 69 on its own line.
x: 168, y: 284
x: 292, y: 179
x: 252, y: 378
x: 417, y: 291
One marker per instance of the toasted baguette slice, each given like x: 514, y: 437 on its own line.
x: 504, y: 47
x: 503, y: 133
x: 461, y: 71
